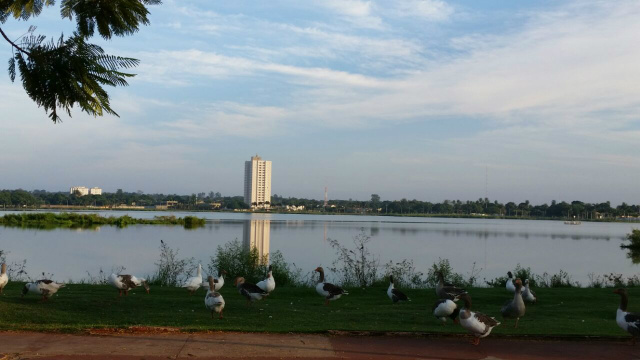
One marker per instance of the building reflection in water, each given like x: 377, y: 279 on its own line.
x: 256, y: 234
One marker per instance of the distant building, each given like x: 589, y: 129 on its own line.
x: 80, y: 190
x: 257, y: 182
x: 95, y: 191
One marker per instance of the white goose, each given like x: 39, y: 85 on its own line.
x: 218, y: 283
x: 193, y: 283
x: 4, y: 278
x: 45, y: 288
x: 510, y: 285
x: 124, y: 283
x: 629, y: 322
x: 213, y: 300
x: 329, y: 291
x: 268, y: 284
x: 477, y: 323
x: 446, y: 308
x: 528, y: 295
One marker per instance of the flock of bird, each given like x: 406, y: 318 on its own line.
x: 478, y: 324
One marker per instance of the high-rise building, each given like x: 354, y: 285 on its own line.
x: 256, y: 234
x: 257, y: 182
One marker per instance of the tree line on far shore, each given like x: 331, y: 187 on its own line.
x: 215, y: 201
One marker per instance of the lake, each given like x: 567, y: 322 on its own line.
x: 495, y: 246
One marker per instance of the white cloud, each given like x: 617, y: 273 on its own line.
x: 435, y: 10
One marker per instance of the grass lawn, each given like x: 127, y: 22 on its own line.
x: 75, y: 308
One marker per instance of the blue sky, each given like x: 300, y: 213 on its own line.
x: 407, y: 99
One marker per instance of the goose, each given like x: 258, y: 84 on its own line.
x: 510, y: 286
x: 394, y: 294
x: 447, y: 291
x: 479, y: 324
x: 445, y: 308
x: 250, y: 291
x: 514, y: 308
x: 329, y: 291
x: 527, y: 294
x: 193, y: 283
x: 213, y: 300
x: 4, y: 278
x: 268, y: 284
x: 217, y: 283
x: 629, y: 322
x: 44, y: 287
x: 124, y: 283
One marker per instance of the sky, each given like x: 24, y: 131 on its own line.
x: 418, y: 99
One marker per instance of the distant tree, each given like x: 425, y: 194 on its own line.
x: 67, y: 72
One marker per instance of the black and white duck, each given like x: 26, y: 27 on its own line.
x: 124, y: 283
x: 447, y: 291
x: 46, y: 288
x: 527, y: 294
x: 445, y: 308
x: 479, y: 324
x: 629, y: 322
x: 394, y: 294
x: 250, y: 291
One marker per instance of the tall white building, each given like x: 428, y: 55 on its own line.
x: 257, y: 182
x: 95, y: 191
x: 257, y: 234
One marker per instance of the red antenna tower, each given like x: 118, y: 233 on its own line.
x: 326, y: 198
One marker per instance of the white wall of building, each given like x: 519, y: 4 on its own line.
x: 257, y: 182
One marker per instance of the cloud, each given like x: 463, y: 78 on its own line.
x: 435, y: 10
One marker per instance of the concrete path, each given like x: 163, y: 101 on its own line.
x: 226, y: 345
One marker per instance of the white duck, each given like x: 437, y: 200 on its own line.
x: 510, y: 285
x: 446, y: 308
x: 250, y: 291
x: 213, y: 300
x: 394, y: 294
x: 218, y: 283
x: 629, y: 322
x: 527, y: 294
x: 477, y: 323
x: 124, y: 283
x: 4, y: 278
x: 268, y: 284
x: 44, y: 287
x: 193, y: 283
x: 329, y: 291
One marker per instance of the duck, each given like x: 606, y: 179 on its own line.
x: 44, y: 287
x: 124, y: 283
x: 510, y: 286
x: 629, y: 322
x: 394, y: 294
x: 445, y: 308
x: 527, y: 294
x: 268, y: 284
x: 329, y: 291
x: 514, y: 308
x: 250, y: 291
x: 4, y: 278
x: 447, y: 291
x: 193, y: 283
x: 213, y: 300
x: 218, y: 282
x: 479, y: 324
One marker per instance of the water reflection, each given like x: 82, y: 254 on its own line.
x: 256, y: 234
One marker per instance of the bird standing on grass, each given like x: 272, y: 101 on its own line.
x: 268, y: 284
x: 479, y: 324
x: 250, y: 291
x: 193, y: 283
x: 629, y: 322
x: 447, y: 291
x: 46, y: 288
x: 514, y: 308
x: 510, y: 285
x: 394, y: 294
x: 445, y: 308
x: 213, y: 300
x: 329, y: 291
x: 4, y: 278
x: 527, y: 294
x: 124, y: 283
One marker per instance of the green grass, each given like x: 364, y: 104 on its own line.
x: 75, y: 220
x: 76, y: 308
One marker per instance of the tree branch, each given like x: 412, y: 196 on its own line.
x: 14, y: 44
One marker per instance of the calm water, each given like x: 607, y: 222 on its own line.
x: 494, y: 245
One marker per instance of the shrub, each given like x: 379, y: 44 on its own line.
x: 404, y: 274
x: 519, y: 272
x: 561, y: 279
x: 171, y: 270
x: 238, y: 260
x: 356, y: 267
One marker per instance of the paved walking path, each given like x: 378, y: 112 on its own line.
x: 228, y: 345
